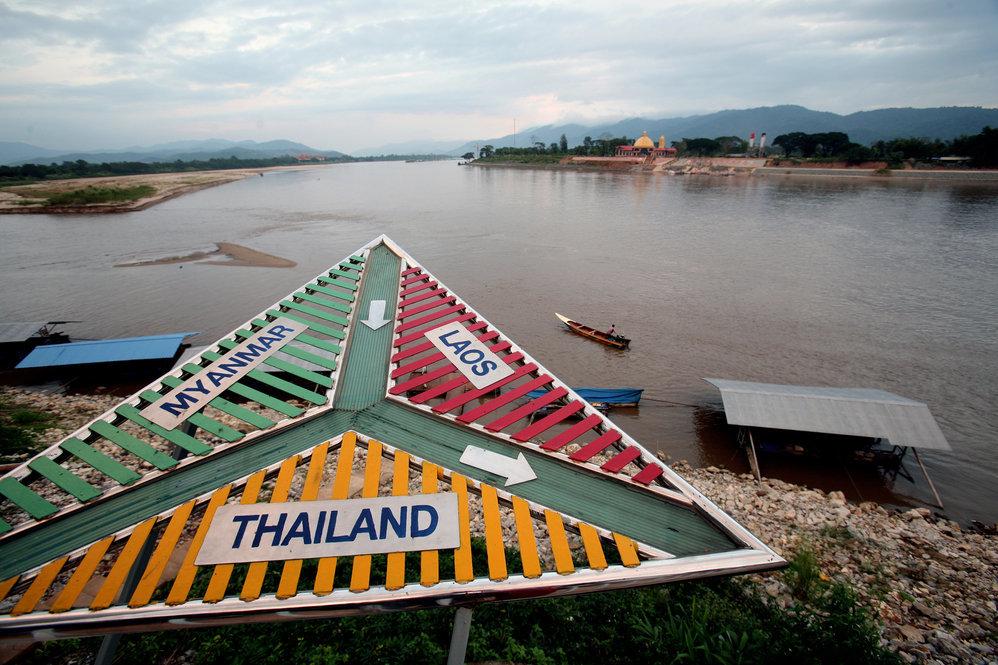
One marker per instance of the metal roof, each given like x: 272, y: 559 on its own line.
x: 150, y: 347
x: 848, y: 411
x: 18, y: 331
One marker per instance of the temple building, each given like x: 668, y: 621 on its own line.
x: 644, y: 147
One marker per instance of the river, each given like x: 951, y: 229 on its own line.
x: 815, y: 281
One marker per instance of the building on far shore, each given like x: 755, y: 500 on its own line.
x: 644, y: 147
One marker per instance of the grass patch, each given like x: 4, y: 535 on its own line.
x: 20, y: 428
x: 524, y: 159
x: 92, y: 194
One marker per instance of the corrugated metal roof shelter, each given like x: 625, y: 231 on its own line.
x: 150, y: 347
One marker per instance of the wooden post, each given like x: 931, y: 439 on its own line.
x: 925, y: 472
x: 459, y: 636
x: 753, y: 460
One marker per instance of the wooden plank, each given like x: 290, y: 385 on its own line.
x: 426, y: 346
x: 185, y: 576
x: 344, y: 274
x: 290, y: 368
x: 463, y: 569
x: 475, y: 393
x: 111, y: 468
x: 222, y: 572
x: 266, y: 400
x: 81, y: 576
x: 421, y: 380
x: 416, y: 289
x: 432, y: 358
x: 119, y: 571
x: 318, y: 288
x: 559, y: 543
x: 302, y: 354
x: 596, y: 446
x: 572, y: 433
x: 43, y: 580
x: 429, y: 561
x: 459, y: 381
x: 326, y: 569
x: 137, y: 447
x: 313, y: 325
x: 206, y: 423
x: 317, y: 313
x: 432, y: 316
x: 594, y: 548
x: 505, y: 421
x: 504, y: 399
x: 275, y: 382
x: 414, y: 279
x: 257, y: 570
x: 525, y: 535
x: 627, y: 550
x: 324, y: 302
x: 291, y: 572
x: 7, y: 585
x: 395, y: 575
x: 419, y: 334
x: 174, y: 436
x: 337, y: 282
x: 648, y: 474
x: 409, y: 271
x: 242, y: 413
x: 344, y: 265
x: 65, y: 480
x: 620, y: 460
x: 161, y: 556
x: 360, y: 576
x: 494, y: 545
x: 411, y: 312
x: 548, y: 421
x: 413, y: 299
x: 26, y: 499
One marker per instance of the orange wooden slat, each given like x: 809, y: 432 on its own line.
x: 81, y: 576
x: 495, y: 548
x: 258, y: 569
x: 220, y: 576
x: 326, y: 570
x: 395, y: 575
x: 119, y: 571
x: 291, y: 572
x: 429, y: 561
x: 463, y: 569
x: 360, y: 575
x: 525, y: 534
x: 161, y: 556
x: 185, y: 576
x: 43, y: 580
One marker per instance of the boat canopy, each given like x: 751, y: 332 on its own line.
x: 865, y: 412
x: 601, y: 395
x: 150, y: 347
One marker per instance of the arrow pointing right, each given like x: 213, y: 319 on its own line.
x: 375, y: 315
x: 513, y: 470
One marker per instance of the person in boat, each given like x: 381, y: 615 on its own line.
x: 612, y: 332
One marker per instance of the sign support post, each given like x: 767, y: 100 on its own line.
x: 459, y: 636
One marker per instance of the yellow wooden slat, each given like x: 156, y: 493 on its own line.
x: 185, y: 576
x: 161, y: 556
x: 78, y: 580
x: 429, y: 561
x: 43, y: 580
x: 559, y: 543
x: 494, y: 545
x: 7, y: 585
x: 220, y: 576
x: 126, y: 558
x: 463, y: 571
x: 525, y: 534
x: 360, y: 576
x: 258, y: 569
x: 594, y: 548
x: 628, y: 552
x: 288, y: 586
x: 326, y: 570
x: 395, y: 575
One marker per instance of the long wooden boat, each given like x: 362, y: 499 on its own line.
x: 615, y: 341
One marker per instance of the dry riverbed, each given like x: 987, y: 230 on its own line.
x: 931, y: 583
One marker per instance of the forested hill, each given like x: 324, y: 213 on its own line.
x: 864, y: 127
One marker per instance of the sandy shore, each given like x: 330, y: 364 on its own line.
x: 236, y: 255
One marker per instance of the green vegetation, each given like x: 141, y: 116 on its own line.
x: 19, y: 429
x: 718, y: 621
x: 524, y: 158
x: 100, y: 195
x: 981, y: 149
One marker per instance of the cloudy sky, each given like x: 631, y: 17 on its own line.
x: 351, y: 75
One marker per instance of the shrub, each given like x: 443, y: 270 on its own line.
x: 92, y: 194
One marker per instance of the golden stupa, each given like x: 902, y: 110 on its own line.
x: 644, y: 141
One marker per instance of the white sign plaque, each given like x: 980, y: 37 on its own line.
x: 177, y: 405
x: 471, y: 357
x: 311, y: 529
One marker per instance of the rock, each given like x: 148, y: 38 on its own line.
x: 911, y: 634
x: 925, y: 610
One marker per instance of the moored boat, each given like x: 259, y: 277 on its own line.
x: 600, y: 336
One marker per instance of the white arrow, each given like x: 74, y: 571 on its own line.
x: 514, y: 470
x: 375, y: 315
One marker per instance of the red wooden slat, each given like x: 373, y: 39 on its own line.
x: 412, y: 300
x: 526, y: 410
x: 548, y: 421
x: 413, y: 280
x: 588, y: 451
x: 417, y: 288
x: 618, y: 462
x: 648, y: 474
x: 426, y: 346
x: 470, y: 395
x: 425, y: 307
x: 572, y: 433
x: 454, y: 384
x: 412, y: 337
x: 409, y: 271
x: 430, y: 359
x: 423, y: 379
x: 432, y: 316
x: 504, y: 399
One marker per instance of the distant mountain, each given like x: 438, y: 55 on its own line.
x: 945, y: 123
x: 23, y: 153
x: 411, y: 148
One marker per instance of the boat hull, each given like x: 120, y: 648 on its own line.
x: 595, y: 335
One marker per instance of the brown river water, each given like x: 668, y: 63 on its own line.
x: 804, y: 280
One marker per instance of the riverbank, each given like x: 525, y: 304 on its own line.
x: 224, y: 254
x: 930, y: 583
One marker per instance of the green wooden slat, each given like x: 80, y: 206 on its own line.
x: 307, y: 339
x: 137, y: 447
x: 317, y: 327
x: 288, y: 367
x: 111, y: 468
x: 358, y: 259
x: 204, y: 422
x: 324, y: 302
x: 244, y: 414
x: 336, y: 282
x: 4, y: 527
x: 25, y: 499
x: 343, y: 273
x: 66, y: 480
x: 312, y: 311
x: 280, y: 384
x: 321, y: 361
x: 175, y: 436
x: 263, y: 398
x: 350, y: 266
x: 318, y: 288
